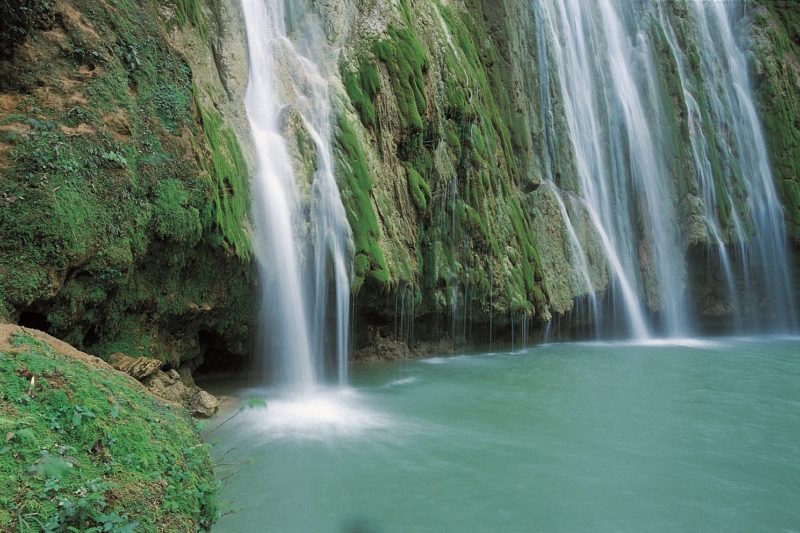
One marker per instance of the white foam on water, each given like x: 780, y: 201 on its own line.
x: 402, y: 381
x: 320, y: 414
x: 444, y: 359
x: 682, y: 342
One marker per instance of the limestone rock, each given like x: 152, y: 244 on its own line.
x: 171, y: 387
x: 382, y: 348
x: 202, y: 404
x: 136, y: 367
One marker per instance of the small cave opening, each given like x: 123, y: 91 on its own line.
x: 90, y: 337
x: 34, y: 320
x: 218, y: 360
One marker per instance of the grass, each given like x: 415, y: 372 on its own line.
x: 87, y: 449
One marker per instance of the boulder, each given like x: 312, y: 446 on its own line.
x: 137, y: 367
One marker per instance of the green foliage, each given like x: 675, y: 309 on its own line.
x: 229, y: 179
x: 406, y: 60
x: 86, y: 450
x: 419, y: 188
x: 173, y: 216
x: 356, y: 189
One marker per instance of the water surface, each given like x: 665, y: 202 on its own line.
x: 684, y: 435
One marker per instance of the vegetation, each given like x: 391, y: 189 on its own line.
x: 229, y: 176
x: 87, y: 449
x: 21, y: 18
x: 406, y: 61
x: 362, y: 87
x: 120, y: 192
x: 356, y: 189
x: 777, y: 47
x: 419, y: 189
x: 473, y: 233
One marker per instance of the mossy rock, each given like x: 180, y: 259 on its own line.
x: 124, y: 199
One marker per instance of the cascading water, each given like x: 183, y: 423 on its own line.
x: 302, y: 230
x: 601, y: 62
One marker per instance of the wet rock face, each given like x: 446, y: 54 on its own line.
x: 775, y: 42
x: 444, y: 108
x: 442, y: 129
x: 377, y: 347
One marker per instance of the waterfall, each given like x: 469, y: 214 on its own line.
x: 607, y: 65
x: 304, y: 241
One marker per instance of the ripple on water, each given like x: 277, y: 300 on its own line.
x: 402, y: 381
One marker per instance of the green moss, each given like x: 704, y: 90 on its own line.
x: 362, y: 87
x: 191, y: 12
x: 356, y: 187
x: 406, y: 61
x: 173, y: 216
x: 86, y: 447
x: 472, y: 229
x: 777, y: 52
x: 229, y: 179
x: 419, y: 188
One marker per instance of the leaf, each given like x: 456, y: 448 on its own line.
x: 128, y: 528
x: 51, y: 467
x: 254, y: 403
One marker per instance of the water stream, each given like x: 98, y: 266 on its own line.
x: 303, y: 237
x: 603, y: 62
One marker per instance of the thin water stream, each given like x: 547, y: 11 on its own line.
x: 685, y: 435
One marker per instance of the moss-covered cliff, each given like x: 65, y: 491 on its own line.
x: 123, y: 149
x: 439, y: 162
x: 123, y: 199
x: 776, y: 64
x: 445, y: 147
